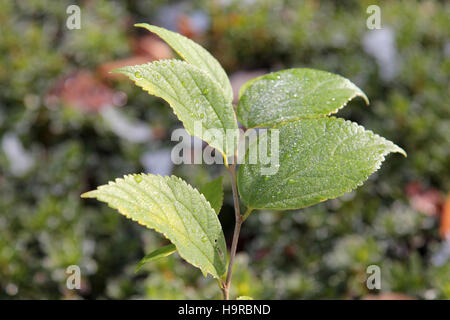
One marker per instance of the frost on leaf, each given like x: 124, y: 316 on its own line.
x: 293, y: 94
x: 172, y: 207
x: 319, y: 159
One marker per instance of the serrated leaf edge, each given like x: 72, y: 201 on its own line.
x: 149, y: 27
x: 376, y: 167
x: 92, y: 194
x: 125, y: 72
x: 359, y: 93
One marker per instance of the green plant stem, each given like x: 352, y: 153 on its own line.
x: 247, y: 213
x: 237, y: 229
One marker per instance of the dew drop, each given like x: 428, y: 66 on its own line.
x: 138, y: 178
x: 138, y: 75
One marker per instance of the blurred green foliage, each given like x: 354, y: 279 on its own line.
x: 318, y: 252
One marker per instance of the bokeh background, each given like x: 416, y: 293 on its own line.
x: 67, y: 125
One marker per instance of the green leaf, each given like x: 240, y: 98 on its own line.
x: 194, y: 54
x: 193, y: 96
x: 157, y: 254
x: 170, y: 206
x: 319, y: 159
x: 293, y: 94
x: 213, y: 192
x: 244, y: 298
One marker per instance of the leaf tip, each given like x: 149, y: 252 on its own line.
x: 122, y: 70
x: 138, y: 267
x: 141, y: 25
x: 401, y: 151
x: 360, y: 93
x: 396, y: 149
x: 89, y: 194
x: 366, y: 99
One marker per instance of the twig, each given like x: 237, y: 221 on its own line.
x: 237, y: 228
